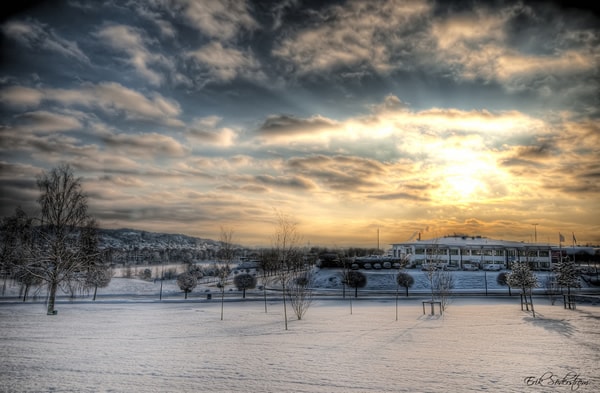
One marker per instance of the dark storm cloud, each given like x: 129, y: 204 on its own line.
x: 400, y: 196
x: 289, y: 125
x: 340, y: 172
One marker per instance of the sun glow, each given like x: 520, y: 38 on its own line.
x: 462, y: 187
x: 464, y: 177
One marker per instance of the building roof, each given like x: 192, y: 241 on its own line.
x: 470, y: 242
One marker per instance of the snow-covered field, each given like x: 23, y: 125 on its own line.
x: 175, y: 346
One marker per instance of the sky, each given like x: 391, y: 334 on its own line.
x: 364, y: 122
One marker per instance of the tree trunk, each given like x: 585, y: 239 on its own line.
x: 356, y: 292
x: 244, y: 293
x: 186, y: 292
x: 52, y: 297
x: 95, y: 290
x: 284, y: 308
x: 222, y: 300
x: 406, y: 291
x: 265, y: 295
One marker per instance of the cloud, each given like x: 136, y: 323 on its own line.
x: 204, y: 130
x: 132, y: 42
x: 341, y: 173
x: 222, y: 20
x: 500, y: 52
x: 360, y: 33
x: 224, y: 137
x: 393, y: 196
x: 20, y: 96
x: 285, y: 126
x: 111, y: 97
x: 280, y: 9
x: 224, y: 64
x: 44, y: 121
x: 146, y: 145
x: 37, y: 36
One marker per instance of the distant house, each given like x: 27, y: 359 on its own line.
x: 473, y: 252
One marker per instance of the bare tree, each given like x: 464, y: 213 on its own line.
x: 99, y: 273
x: 244, y: 281
x: 551, y: 288
x: 443, y: 282
x: 268, y: 264
x: 99, y: 278
x: 300, y: 293
x: 285, y: 244
x: 226, y: 256
x: 58, y: 251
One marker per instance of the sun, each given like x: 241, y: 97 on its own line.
x: 464, y: 187
x: 463, y: 182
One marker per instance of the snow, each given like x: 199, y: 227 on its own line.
x: 177, y: 346
x: 129, y: 341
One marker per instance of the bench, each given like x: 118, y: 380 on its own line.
x: 432, y: 304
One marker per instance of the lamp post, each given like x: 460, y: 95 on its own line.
x: 535, y: 232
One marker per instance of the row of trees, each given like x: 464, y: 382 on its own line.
x: 565, y: 276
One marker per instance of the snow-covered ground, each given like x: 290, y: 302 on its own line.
x: 130, y: 341
x: 478, y: 345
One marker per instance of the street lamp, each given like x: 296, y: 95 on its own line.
x: 535, y: 232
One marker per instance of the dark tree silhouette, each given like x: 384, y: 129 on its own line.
x: 187, y: 282
x: 243, y: 282
x: 405, y: 280
x: 15, y: 238
x: 356, y: 279
x: 502, y: 280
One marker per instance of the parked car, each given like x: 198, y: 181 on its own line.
x: 493, y: 267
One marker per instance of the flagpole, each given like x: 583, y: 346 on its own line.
x: 560, y: 238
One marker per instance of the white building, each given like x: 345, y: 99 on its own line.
x: 464, y: 252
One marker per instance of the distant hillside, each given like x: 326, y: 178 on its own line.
x: 132, y: 246
x: 127, y: 239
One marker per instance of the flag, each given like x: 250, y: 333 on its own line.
x: 561, y: 238
x: 574, y: 240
